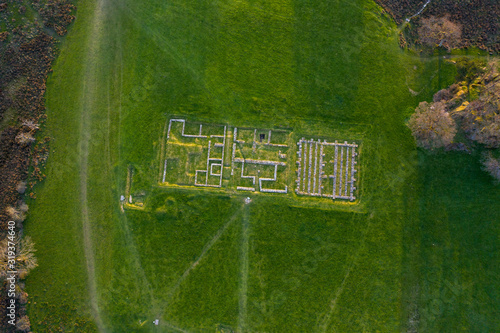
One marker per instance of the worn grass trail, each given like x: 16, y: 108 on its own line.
x: 325, y: 319
x: 87, y: 103
x: 77, y: 202
x: 244, y: 268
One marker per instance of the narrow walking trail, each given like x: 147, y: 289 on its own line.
x: 244, y: 264
x: 87, y: 98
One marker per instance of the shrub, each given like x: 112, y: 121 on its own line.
x: 492, y: 166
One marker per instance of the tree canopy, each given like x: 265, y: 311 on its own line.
x: 432, y: 126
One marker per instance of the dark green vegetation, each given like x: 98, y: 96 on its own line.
x: 458, y: 245
x: 197, y: 260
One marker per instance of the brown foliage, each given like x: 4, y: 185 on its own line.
x: 25, y: 257
x: 432, y: 126
x: 480, y: 120
x: 445, y: 94
x: 15, y: 214
x: 25, y: 138
x: 26, y: 55
x: 21, y: 187
x: 23, y: 324
x: 492, y: 166
x: 57, y: 14
x: 13, y: 170
x: 30, y: 60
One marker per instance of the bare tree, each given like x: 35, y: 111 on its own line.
x: 31, y: 124
x: 21, y: 187
x: 431, y: 126
x: 26, y: 259
x: 23, y: 324
x: 15, y: 214
x: 491, y: 165
x: 23, y: 296
x: 25, y: 256
x: 445, y: 94
x: 23, y: 207
x: 25, y: 138
x: 481, y: 118
x: 440, y: 31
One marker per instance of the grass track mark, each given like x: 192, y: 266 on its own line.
x: 244, y: 262
x: 163, y: 43
x: 325, y: 320
x: 156, y: 305
x: 172, y: 327
x: 204, y: 251
x: 87, y: 99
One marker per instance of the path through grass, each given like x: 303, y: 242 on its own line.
x: 244, y: 266
x: 87, y: 104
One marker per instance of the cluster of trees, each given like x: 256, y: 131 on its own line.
x: 478, y: 21
x: 27, y: 51
x: 470, y: 107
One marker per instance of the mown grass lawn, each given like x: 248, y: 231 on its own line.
x: 425, y: 241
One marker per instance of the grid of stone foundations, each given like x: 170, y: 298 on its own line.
x: 324, y: 169
x: 256, y: 180
x: 201, y: 176
x: 315, y: 157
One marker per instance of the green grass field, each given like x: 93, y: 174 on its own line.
x: 420, y: 249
